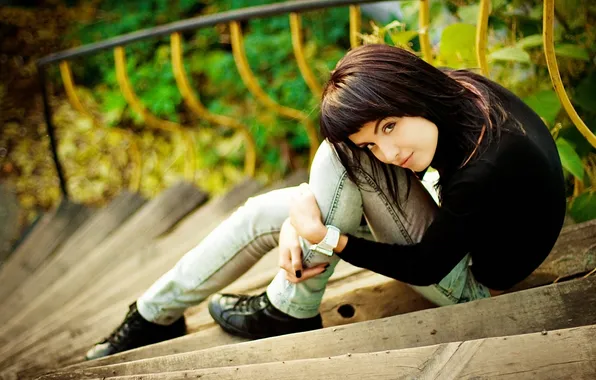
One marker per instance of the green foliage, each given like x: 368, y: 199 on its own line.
x: 515, y: 54
x: 516, y: 60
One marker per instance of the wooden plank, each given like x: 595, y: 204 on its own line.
x: 562, y: 305
x: 49, y: 233
x: 96, y: 229
x: 560, y: 354
x: 361, y: 298
x: 154, y: 218
x: 187, y: 232
x: 573, y: 253
x: 365, y: 303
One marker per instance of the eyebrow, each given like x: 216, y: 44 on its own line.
x: 377, y: 124
x: 363, y: 145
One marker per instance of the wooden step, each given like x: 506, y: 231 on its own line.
x: 49, y: 233
x: 96, y: 229
x: 357, y: 298
x: 153, y: 219
x: 359, y: 303
x: 115, y: 286
x: 560, y: 354
x: 544, y: 309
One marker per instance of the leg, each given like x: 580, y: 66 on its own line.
x: 342, y: 203
x: 389, y: 226
x: 225, y: 254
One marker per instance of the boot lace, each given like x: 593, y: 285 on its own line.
x: 247, y: 303
x: 122, y: 335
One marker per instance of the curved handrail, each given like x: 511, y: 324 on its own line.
x: 548, y: 20
x: 253, y: 86
x: 152, y: 121
x: 195, y: 105
x: 423, y: 25
x: 482, y: 36
x: 69, y: 87
x: 355, y: 25
x: 297, y: 44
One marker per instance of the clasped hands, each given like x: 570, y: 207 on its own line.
x: 304, y: 221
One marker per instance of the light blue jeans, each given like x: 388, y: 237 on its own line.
x: 253, y: 230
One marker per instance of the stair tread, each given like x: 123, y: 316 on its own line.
x: 95, y: 229
x: 570, y: 304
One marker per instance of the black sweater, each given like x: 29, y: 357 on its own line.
x: 505, y: 208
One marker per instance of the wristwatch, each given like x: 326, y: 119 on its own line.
x: 329, y: 242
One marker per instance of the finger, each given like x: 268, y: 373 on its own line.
x: 296, y: 253
x: 307, y: 274
x: 285, y: 261
x: 314, y: 271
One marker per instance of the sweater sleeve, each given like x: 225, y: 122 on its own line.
x: 445, y: 242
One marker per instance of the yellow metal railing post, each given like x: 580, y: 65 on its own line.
x: 253, y: 86
x: 195, y: 105
x: 548, y: 20
x: 135, y: 177
x: 297, y: 44
x: 355, y: 25
x: 150, y: 120
x: 482, y: 36
x: 423, y: 25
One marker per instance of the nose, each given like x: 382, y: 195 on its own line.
x: 390, y: 152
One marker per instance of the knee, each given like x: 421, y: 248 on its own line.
x: 261, y: 211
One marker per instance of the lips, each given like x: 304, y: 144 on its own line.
x: 406, y: 160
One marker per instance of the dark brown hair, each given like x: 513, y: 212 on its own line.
x: 375, y: 81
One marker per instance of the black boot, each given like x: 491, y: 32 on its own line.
x: 254, y: 317
x: 135, y: 331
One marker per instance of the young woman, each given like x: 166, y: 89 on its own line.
x: 386, y: 116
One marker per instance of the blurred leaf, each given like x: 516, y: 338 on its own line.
x: 529, y: 42
x: 510, y: 53
x: 583, y: 207
x: 469, y: 13
x: 457, y: 46
x: 570, y: 159
x: 402, y: 38
x: 545, y: 103
x: 572, y: 51
x: 585, y: 93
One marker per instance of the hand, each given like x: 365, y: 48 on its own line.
x: 305, y: 215
x: 290, y: 256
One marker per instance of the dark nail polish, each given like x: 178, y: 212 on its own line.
x: 298, y: 273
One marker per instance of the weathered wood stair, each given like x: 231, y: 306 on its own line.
x: 375, y: 327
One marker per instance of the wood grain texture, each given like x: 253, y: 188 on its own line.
x: 126, y: 282
x: 154, y: 218
x: 553, y: 307
x: 48, y: 234
x: 96, y: 229
x: 560, y: 354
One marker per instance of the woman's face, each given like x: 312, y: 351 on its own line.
x: 409, y: 142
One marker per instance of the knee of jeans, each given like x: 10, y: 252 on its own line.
x: 326, y: 162
x: 260, y: 212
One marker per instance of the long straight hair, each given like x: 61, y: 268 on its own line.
x: 375, y: 81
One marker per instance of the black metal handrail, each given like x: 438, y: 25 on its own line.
x: 163, y: 30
